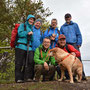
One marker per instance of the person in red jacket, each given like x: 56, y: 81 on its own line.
x: 68, y: 48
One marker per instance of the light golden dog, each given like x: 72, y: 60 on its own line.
x: 67, y: 61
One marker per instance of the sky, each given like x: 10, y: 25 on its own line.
x: 80, y: 11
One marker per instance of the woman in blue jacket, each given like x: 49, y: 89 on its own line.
x: 21, y: 72
x: 37, y: 34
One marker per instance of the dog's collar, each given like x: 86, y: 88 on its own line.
x: 65, y: 57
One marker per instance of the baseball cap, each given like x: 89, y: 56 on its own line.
x: 61, y: 36
x: 67, y: 15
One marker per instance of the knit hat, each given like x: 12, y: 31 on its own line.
x: 38, y: 20
x: 68, y: 15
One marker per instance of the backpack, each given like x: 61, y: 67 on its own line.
x: 14, y: 35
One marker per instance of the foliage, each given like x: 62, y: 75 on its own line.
x: 7, y: 66
x: 12, y: 12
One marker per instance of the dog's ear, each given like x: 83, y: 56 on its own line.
x: 53, y: 50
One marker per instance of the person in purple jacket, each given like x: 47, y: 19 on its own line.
x: 72, y: 33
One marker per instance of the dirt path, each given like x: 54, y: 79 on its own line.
x: 51, y: 85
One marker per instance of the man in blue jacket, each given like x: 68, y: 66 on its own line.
x: 22, y: 73
x: 73, y: 35
x: 53, y: 33
x: 37, y: 34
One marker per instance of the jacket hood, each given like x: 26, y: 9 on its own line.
x: 71, y: 22
x: 30, y: 16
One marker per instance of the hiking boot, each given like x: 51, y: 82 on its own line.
x: 29, y: 80
x: 84, y: 79
x: 19, y: 81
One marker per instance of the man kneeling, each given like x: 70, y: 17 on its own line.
x: 44, y: 65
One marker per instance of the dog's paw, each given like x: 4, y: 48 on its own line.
x: 71, y: 82
x: 78, y: 81
x: 59, y: 80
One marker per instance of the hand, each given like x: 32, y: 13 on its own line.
x: 53, y: 37
x: 78, y: 46
x: 46, y: 66
x: 30, y: 33
x: 74, y: 54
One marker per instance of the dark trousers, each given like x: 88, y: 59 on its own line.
x: 47, y: 75
x: 59, y: 72
x: 22, y: 72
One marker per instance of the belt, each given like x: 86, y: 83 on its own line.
x: 24, y: 44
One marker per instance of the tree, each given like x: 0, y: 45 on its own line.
x: 13, y: 12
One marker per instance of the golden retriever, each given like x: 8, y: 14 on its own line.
x: 67, y: 61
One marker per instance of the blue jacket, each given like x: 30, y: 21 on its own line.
x: 37, y: 38
x: 49, y: 33
x: 22, y: 34
x: 72, y: 33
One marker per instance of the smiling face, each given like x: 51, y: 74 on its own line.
x: 68, y: 19
x: 37, y: 24
x: 31, y: 21
x: 46, y: 43
x: 54, y: 23
x: 62, y: 42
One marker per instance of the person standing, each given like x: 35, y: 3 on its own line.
x: 73, y: 35
x: 24, y: 36
x: 37, y: 34
x: 53, y: 33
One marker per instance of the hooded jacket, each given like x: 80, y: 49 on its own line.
x: 22, y: 34
x: 37, y: 38
x: 39, y: 60
x: 72, y: 33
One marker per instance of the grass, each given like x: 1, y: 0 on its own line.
x: 32, y: 86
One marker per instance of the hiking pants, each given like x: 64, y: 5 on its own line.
x: 39, y: 70
x: 22, y: 72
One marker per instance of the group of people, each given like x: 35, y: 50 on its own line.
x: 68, y: 38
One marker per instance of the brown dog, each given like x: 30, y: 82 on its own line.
x: 67, y: 61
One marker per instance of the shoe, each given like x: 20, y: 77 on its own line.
x: 29, y: 80
x: 19, y: 81
x: 75, y: 80
x: 84, y: 79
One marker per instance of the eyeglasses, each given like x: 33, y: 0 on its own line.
x: 46, y: 42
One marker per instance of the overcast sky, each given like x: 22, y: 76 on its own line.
x: 80, y: 11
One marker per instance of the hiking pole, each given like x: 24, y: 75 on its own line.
x: 28, y: 41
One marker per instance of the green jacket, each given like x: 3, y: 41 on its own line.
x: 39, y: 60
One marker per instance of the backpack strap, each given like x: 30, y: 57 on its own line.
x: 41, y: 32
x: 58, y: 32
x: 49, y: 29
x: 67, y: 48
x: 41, y: 56
x: 24, y: 27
